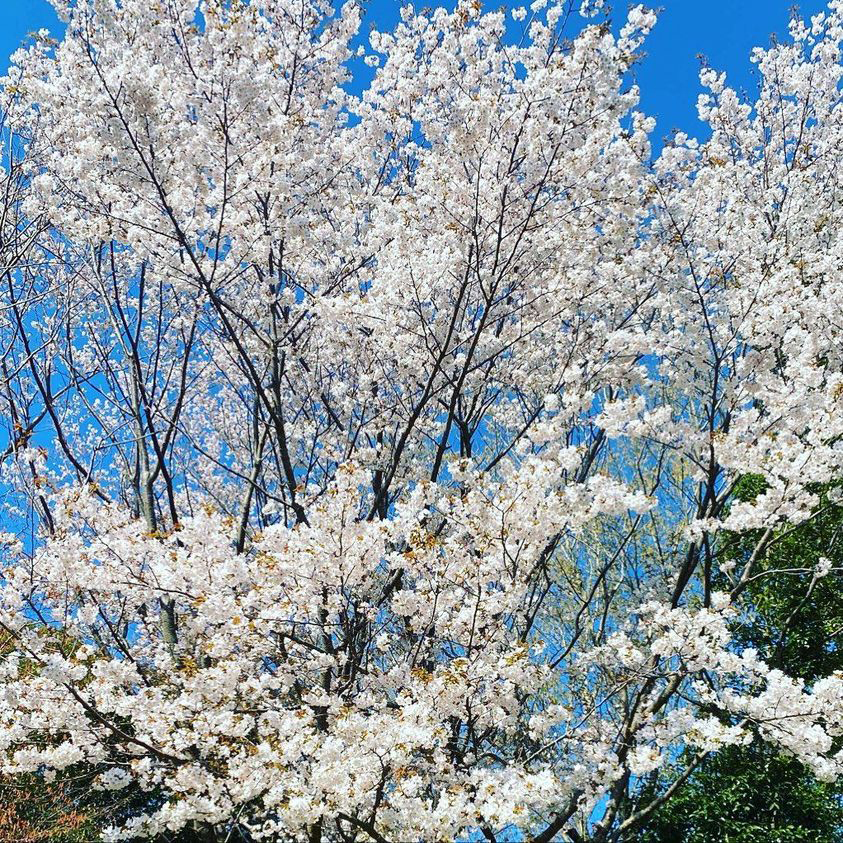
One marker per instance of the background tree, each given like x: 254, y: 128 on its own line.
x: 754, y: 793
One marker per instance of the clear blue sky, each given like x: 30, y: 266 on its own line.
x: 722, y: 30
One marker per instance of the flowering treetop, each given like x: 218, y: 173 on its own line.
x: 370, y: 456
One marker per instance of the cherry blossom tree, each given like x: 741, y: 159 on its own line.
x: 370, y: 456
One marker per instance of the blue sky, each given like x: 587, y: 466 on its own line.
x: 722, y: 30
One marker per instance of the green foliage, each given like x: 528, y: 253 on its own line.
x: 66, y: 810
x: 754, y: 794
x: 748, y: 794
x: 796, y: 620
x: 70, y: 810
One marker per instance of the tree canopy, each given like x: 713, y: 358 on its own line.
x: 433, y: 462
